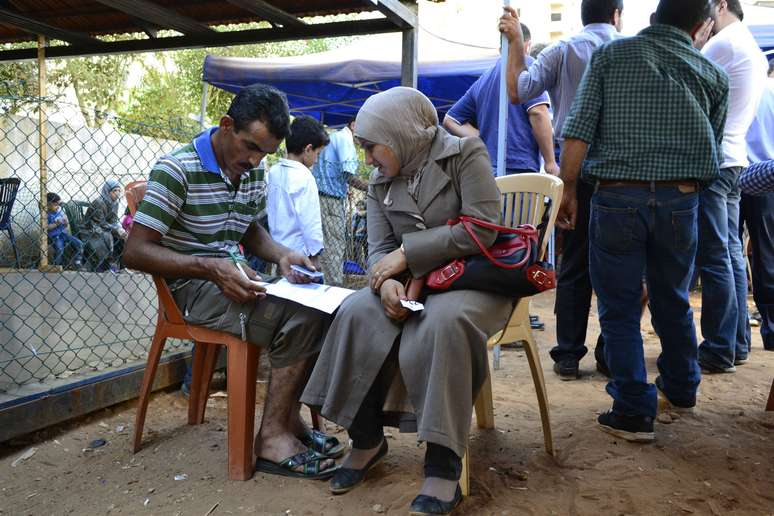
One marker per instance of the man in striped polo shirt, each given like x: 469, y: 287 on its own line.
x: 202, y: 201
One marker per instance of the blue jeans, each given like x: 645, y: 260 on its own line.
x: 60, y: 241
x: 758, y: 213
x: 723, y: 270
x: 634, y: 230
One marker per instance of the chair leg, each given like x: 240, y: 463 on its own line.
x: 205, y: 355
x: 17, y: 263
x: 154, y: 355
x: 465, y: 475
x: 770, y: 403
x: 540, y: 390
x: 318, y: 422
x: 484, y: 405
x: 242, y: 371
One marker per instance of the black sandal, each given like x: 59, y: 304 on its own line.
x: 324, y: 444
x: 310, y: 460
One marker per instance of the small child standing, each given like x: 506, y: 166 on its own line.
x: 59, y: 233
x: 293, y: 204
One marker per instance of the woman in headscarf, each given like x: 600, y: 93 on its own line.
x: 423, y: 178
x: 102, y: 232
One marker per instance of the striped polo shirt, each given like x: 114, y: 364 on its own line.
x: 194, y: 205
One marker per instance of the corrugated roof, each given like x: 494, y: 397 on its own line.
x: 98, y: 18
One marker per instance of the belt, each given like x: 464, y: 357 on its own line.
x: 685, y: 186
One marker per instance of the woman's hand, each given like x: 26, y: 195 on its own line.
x: 392, y: 264
x: 392, y: 292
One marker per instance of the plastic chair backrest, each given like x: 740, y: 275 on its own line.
x: 167, y: 306
x: 76, y: 214
x: 524, y: 199
x: 134, y: 193
x: 8, y: 190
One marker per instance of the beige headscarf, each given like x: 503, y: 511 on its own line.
x: 404, y: 120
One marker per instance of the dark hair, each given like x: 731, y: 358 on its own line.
x: 263, y: 103
x: 771, y: 65
x: 683, y: 14
x: 599, y: 11
x: 51, y: 197
x: 526, y: 33
x: 735, y: 7
x: 537, y: 48
x: 304, y: 131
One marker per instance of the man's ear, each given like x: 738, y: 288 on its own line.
x: 308, y: 148
x: 226, y: 123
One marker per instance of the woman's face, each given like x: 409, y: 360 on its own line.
x: 115, y: 193
x: 381, y: 157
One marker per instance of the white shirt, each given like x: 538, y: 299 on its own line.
x: 293, y: 207
x: 734, y: 49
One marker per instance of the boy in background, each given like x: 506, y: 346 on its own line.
x: 59, y: 232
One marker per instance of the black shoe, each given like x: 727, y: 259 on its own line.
x: 681, y: 406
x: 345, y: 479
x: 567, y: 369
x: 715, y: 369
x: 637, y: 429
x: 741, y: 360
x: 424, y: 505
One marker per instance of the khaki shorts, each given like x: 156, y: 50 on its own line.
x: 291, y: 332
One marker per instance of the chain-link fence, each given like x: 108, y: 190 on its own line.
x: 73, y: 308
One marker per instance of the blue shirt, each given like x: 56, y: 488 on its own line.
x: 336, y: 164
x: 559, y: 69
x: 479, y: 107
x: 760, y: 136
x: 52, y: 233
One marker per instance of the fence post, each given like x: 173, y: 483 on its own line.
x: 42, y: 150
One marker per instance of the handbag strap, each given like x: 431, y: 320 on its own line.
x: 524, y: 233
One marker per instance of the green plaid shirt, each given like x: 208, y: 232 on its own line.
x: 652, y: 108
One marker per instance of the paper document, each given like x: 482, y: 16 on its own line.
x: 414, y: 306
x: 325, y: 298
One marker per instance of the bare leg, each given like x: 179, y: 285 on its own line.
x: 276, y: 439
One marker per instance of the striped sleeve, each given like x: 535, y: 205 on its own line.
x: 164, y: 197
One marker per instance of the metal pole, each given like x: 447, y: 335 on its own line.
x: 205, y: 94
x: 42, y: 151
x: 408, y: 69
x: 502, y: 138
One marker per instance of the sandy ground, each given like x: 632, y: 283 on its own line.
x: 717, y: 462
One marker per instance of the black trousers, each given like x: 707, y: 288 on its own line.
x: 757, y: 212
x: 367, y: 431
x: 573, y: 290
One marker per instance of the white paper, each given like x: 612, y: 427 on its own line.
x: 414, y: 306
x: 325, y: 298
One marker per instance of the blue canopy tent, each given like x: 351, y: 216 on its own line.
x: 331, y: 86
x: 764, y: 35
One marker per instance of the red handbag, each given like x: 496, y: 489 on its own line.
x: 510, y: 267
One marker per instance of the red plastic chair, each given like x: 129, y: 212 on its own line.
x: 242, y: 370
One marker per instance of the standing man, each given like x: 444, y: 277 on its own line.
x: 529, y: 124
x: 558, y: 70
x: 650, y: 112
x: 725, y: 325
x: 335, y: 171
x: 757, y: 211
x: 202, y: 201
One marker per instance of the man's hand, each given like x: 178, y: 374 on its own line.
x: 510, y: 25
x: 392, y: 264
x: 294, y: 258
x: 568, y: 210
x: 392, y: 292
x: 234, y: 286
x: 704, y: 33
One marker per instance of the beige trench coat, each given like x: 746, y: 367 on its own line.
x: 441, y: 353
